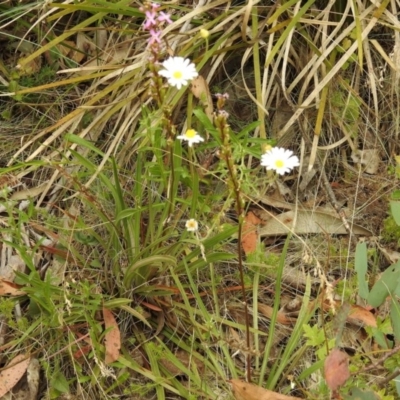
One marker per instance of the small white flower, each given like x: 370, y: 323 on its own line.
x: 179, y: 71
x: 191, y: 225
x: 279, y: 159
x: 191, y: 136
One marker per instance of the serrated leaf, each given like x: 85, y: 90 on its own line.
x: 315, y: 336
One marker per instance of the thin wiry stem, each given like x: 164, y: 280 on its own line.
x: 226, y: 153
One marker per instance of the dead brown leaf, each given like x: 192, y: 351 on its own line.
x: 357, y: 315
x: 336, y: 369
x: 247, y: 391
x: 361, y: 316
x: 250, y: 235
x: 267, y: 311
x: 10, y: 376
x: 201, y: 91
x: 112, y: 339
x: 307, y: 222
x: 9, y: 288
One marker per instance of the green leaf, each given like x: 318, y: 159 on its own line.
x: 13, y: 87
x: 135, y: 270
x: 361, y: 266
x: 395, y: 195
x: 60, y: 383
x: 395, y: 317
x: 208, y: 125
x: 397, y: 383
x: 357, y: 394
x: 380, y: 337
x: 69, y: 137
x: 395, y: 209
x: 314, y: 335
x: 385, y: 286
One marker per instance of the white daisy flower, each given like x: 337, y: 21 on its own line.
x: 279, y: 159
x: 191, y: 225
x: 191, y: 136
x: 179, y: 71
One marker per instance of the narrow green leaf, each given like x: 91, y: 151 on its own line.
x: 69, y: 137
x: 117, y: 303
x: 397, y: 384
x: 380, y: 338
x: 395, y: 317
x: 361, y: 267
x: 208, y: 125
x: 135, y: 313
x: 133, y: 272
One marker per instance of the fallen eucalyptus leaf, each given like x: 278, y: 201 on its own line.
x: 308, y: 221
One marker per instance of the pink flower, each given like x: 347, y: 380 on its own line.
x: 150, y: 20
x: 164, y: 17
x: 154, y: 37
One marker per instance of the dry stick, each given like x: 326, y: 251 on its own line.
x: 390, y: 377
x: 379, y: 363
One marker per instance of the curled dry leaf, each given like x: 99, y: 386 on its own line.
x: 201, y: 91
x: 112, y: 339
x: 9, y: 288
x: 308, y: 221
x: 336, y: 369
x: 247, y: 391
x: 10, y: 376
x: 361, y: 316
x: 357, y: 315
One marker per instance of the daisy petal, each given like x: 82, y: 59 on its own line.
x: 280, y: 160
x: 178, y: 71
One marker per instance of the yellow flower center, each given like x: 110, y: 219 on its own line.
x: 177, y: 74
x: 190, y: 133
x: 279, y: 163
